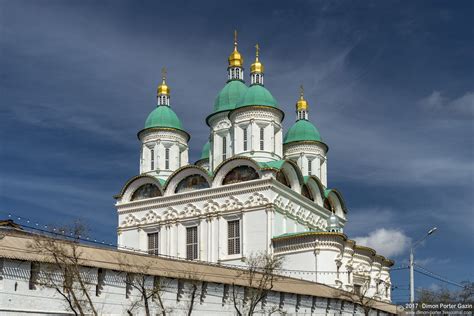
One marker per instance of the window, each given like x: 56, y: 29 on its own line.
x: 224, y: 148
x: 262, y: 134
x: 245, y: 138
x: 153, y: 242
x: 167, y: 158
x: 152, y: 159
x: 233, y: 237
x: 357, y: 289
x: 309, y: 167
x: 191, y: 243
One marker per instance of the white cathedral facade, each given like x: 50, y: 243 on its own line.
x: 254, y: 189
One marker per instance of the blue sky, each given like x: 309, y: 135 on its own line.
x: 390, y: 86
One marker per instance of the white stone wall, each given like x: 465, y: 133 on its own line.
x: 210, y: 298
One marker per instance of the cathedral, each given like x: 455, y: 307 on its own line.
x: 255, y: 188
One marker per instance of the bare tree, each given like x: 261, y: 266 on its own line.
x: 65, y: 273
x: 359, y: 297
x: 259, y: 274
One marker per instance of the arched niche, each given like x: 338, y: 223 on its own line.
x: 186, y: 179
x: 191, y: 183
x: 283, y: 179
x: 146, y: 191
x: 306, y: 192
x: 240, y: 174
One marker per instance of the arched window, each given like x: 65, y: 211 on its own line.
x: 262, y: 138
x: 167, y: 158
x: 224, y: 148
x: 146, y: 191
x: 282, y: 178
x: 192, y: 182
x: 306, y: 192
x: 240, y: 174
x: 245, y: 129
x: 310, y: 163
x: 152, y: 160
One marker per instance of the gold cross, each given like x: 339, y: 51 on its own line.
x: 235, y: 38
x: 163, y: 73
x: 257, y: 49
x: 301, y: 91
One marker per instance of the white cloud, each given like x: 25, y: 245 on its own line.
x: 462, y: 107
x: 387, y: 242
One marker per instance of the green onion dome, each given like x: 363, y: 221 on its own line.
x: 163, y: 116
x: 302, y: 130
x: 257, y: 95
x: 227, y: 99
x: 205, y: 151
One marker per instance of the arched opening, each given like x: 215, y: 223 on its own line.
x: 282, y: 178
x: 192, y: 182
x: 146, y: 191
x: 240, y: 174
x: 306, y: 192
x: 329, y: 206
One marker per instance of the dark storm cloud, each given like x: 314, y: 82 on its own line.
x: 389, y: 86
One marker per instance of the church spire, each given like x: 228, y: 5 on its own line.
x: 301, y: 106
x: 236, y: 63
x: 163, y: 91
x: 256, y: 70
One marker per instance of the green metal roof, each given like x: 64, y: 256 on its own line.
x: 299, y: 233
x: 227, y: 99
x: 272, y: 164
x: 302, y: 130
x: 162, y: 181
x: 163, y: 116
x: 205, y: 151
x: 257, y: 95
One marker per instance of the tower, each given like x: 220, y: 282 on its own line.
x: 164, y: 141
x: 256, y: 119
x: 221, y: 140
x: 304, y: 145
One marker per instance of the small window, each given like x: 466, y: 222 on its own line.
x: 191, y: 243
x: 262, y: 139
x: 167, y: 158
x: 310, y: 162
x: 233, y: 237
x: 357, y: 289
x: 245, y: 138
x: 152, y: 159
x: 153, y: 242
x: 224, y: 148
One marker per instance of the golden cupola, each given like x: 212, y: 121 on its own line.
x: 301, y: 104
x: 163, y: 91
x: 235, y: 58
x: 163, y: 87
x: 257, y: 66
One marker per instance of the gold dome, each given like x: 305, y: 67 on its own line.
x: 301, y: 104
x: 257, y: 66
x: 235, y: 59
x: 163, y: 87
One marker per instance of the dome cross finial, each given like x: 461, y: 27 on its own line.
x: 235, y: 39
x: 257, y: 50
x: 301, y: 92
x: 301, y: 106
x: 163, y: 74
